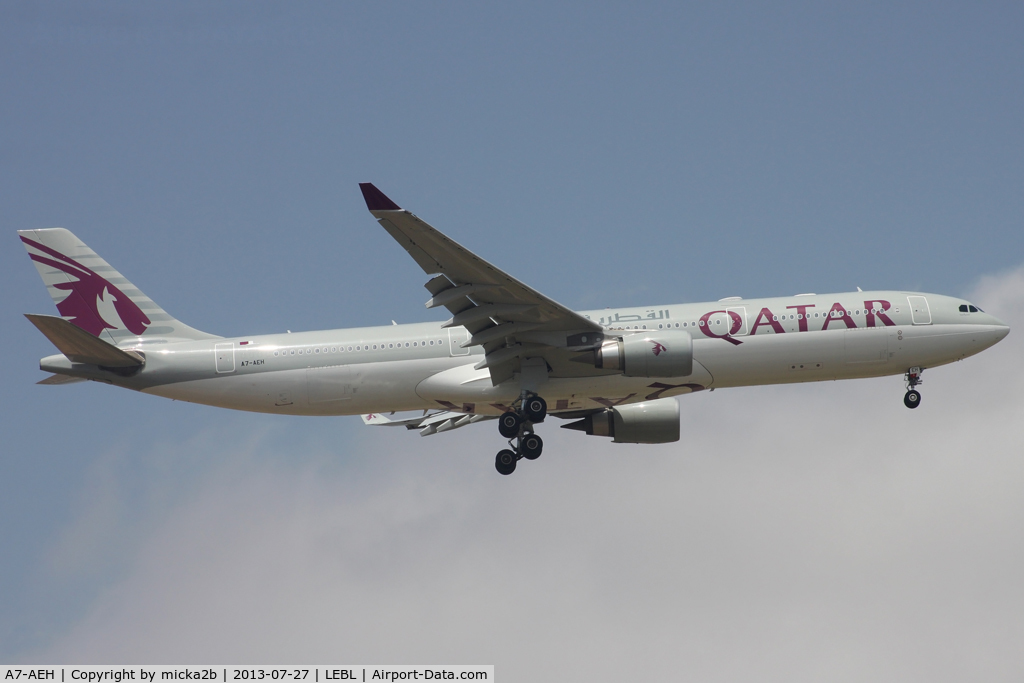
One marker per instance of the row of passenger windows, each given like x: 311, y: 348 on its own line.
x: 357, y: 347
x: 777, y: 318
x: 970, y: 308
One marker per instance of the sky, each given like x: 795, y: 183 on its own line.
x: 608, y: 154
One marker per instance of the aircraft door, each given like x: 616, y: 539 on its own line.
x: 737, y: 315
x: 724, y: 324
x: 919, y: 310
x: 225, y: 354
x: 457, y: 336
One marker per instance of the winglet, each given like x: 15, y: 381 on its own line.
x: 377, y: 200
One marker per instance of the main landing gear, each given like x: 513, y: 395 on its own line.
x: 912, y: 379
x: 516, y: 425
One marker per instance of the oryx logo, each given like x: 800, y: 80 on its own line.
x: 87, y: 291
x: 658, y: 347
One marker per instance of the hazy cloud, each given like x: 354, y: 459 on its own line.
x: 814, y: 532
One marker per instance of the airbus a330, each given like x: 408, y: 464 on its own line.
x: 506, y: 353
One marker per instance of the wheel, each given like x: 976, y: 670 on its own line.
x: 508, y: 425
x: 505, y: 462
x: 912, y: 399
x: 535, y: 408
x: 531, y: 446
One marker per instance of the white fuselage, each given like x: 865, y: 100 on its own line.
x: 423, y: 366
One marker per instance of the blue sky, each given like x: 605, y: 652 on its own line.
x: 606, y: 154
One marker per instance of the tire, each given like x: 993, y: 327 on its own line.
x: 508, y: 425
x: 505, y: 462
x: 536, y: 409
x: 912, y: 399
x: 531, y: 446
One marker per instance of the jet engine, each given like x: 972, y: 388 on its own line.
x: 648, y: 422
x: 667, y: 353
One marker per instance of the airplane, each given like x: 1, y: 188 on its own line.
x: 507, y: 353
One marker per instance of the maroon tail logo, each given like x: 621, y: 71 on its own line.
x: 658, y: 347
x: 81, y: 306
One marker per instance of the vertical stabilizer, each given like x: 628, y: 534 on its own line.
x: 93, y: 296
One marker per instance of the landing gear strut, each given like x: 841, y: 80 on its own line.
x: 517, y: 425
x: 913, y: 396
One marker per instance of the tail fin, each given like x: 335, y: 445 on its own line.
x: 93, y: 296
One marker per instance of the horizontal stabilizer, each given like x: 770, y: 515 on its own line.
x: 377, y: 419
x: 80, y: 346
x: 54, y: 380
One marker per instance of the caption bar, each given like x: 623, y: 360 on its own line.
x: 236, y: 674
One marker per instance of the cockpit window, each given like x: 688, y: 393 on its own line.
x: 970, y: 308
x: 974, y: 309
x: 963, y: 308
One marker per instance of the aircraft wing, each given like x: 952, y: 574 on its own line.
x: 510, y: 320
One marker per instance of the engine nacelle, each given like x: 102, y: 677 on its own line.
x: 661, y: 353
x: 648, y: 422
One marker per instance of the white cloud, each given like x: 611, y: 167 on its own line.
x: 794, y: 533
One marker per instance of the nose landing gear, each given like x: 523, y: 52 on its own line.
x: 913, y: 396
x: 517, y: 424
